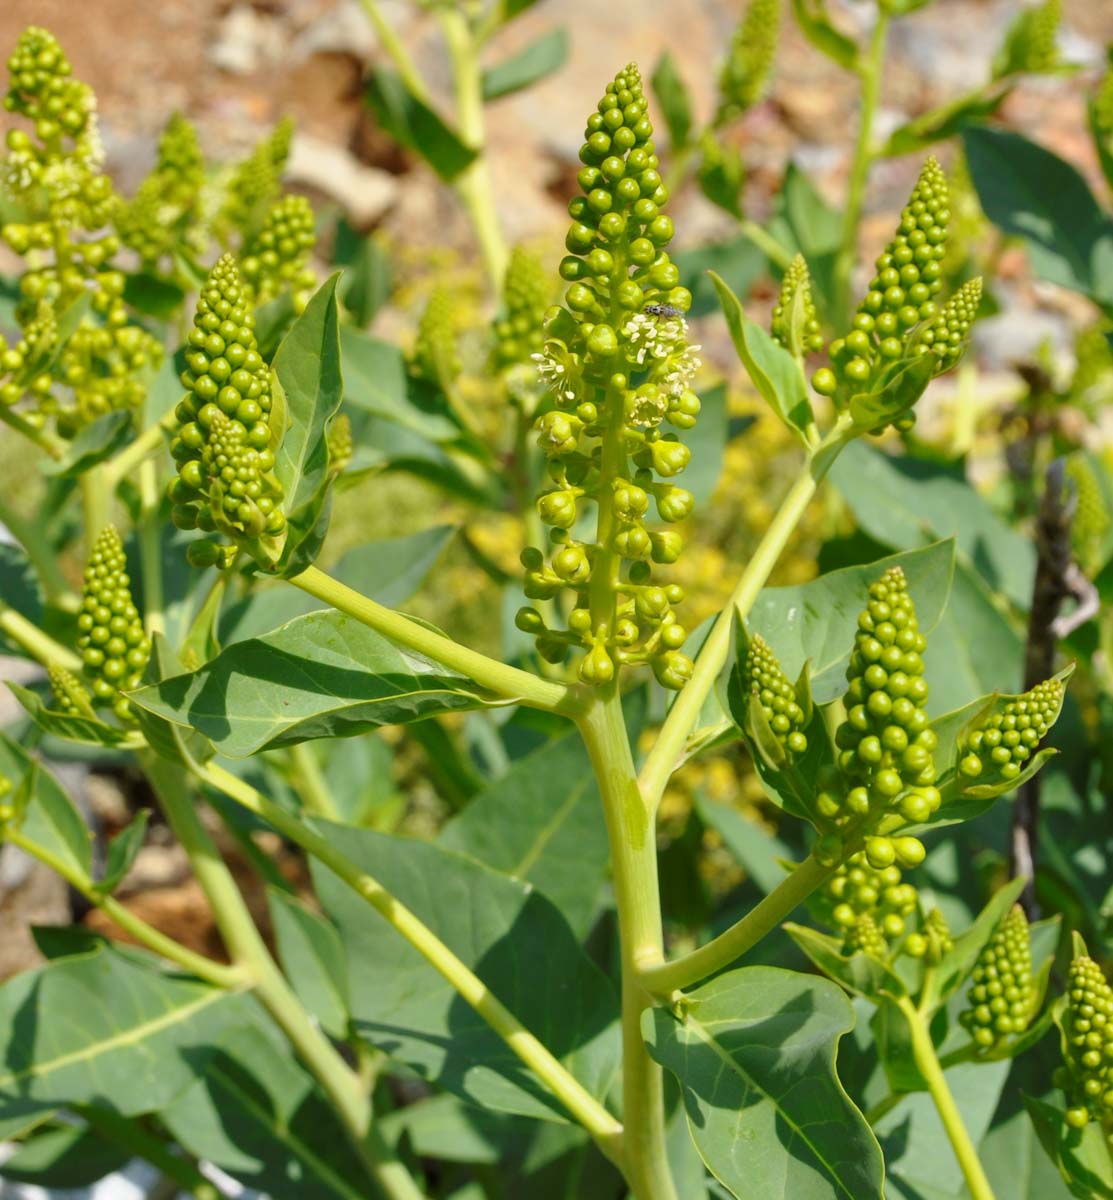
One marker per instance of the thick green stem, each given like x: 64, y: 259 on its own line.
x: 309, y: 783
x: 218, y: 974
x: 40, y: 646
x: 665, y: 978
x: 869, y: 72
x: 565, y: 1087
x: 247, y: 949
x: 507, y: 682
x: 396, y: 50
x: 633, y: 843
x: 923, y: 1052
x: 473, y: 184
x: 138, y: 451
x: 150, y: 548
x: 45, y: 442
x: 96, y: 503
x: 766, y: 243
x: 685, y: 711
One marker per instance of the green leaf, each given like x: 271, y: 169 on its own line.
x: 673, y: 99
x: 132, y: 1036
x: 444, y: 1127
x: 256, y: 1114
x: 539, y: 58
x: 944, y: 122
x: 321, y: 675
x: 388, y: 571
x: 707, y: 441
x: 122, y: 852
x: 71, y: 727
x: 1102, y: 143
x: 721, y: 174
x: 413, y: 124
x: 1030, y: 193
x: 505, y: 931
x: 804, y: 222
x: 367, y: 281
x: 760, y: 852
x: 67, y: 1156
x: 96, y: 443
x: 314, y: 960
x: 19, y: 586
x: 897, y: 389
x: 49, y: 818
x: 272, y: 322
x: 859, y: 973
x: 772, y: 370
x: 153, y: 295
x: 1081, y: 1154
x: 307, y: 366
x: 754, y: 1053
x: 736, y: 260
x: 358, y: 775
x: 542, y: 823
x: 170, y: 741
x: 811, y: 16
x: 816, y: 621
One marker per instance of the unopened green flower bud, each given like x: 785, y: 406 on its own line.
x: 999, y: 1002
x: 1009, y: 735
x: 762, y: 677
x: 795, y: 322
x: 753, y: 50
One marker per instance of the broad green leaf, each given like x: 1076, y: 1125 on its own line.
x: 307, y: 367
x: 272, y: 322
x: 1031, y: 193
x: 505, y: 931
x: 366, y: 284
x: 98, y: 441
x: 153, y: 295
x: 673, y: 99
x: 256, y: 1114
x: 816, y: 621
x: 1080, y: 1154
x: 943, y: 122
x: 99, y: 1028
x: 803, y: 221
x: 122, y: 852
x: 358, y: 775
x: 19, y: 589
x: 49, y: 818
x: 738, y: 261
x: 168, y: 740
x: 445, y: 1127
x: 321, y: 675
x: 389, y: 571
x: 413, y: 124
x: 906, y: 502
x: 65, y: 1156
x: 707, y: 442
x: 811, y: 16
x: 721, y: 174
x: 760, y: 852
x: 754, y: 1053
x: 772, y: 370
x: 895, y: 391
x: 71, y: 727
x: 314, y: 961
x: 859, y: 973
x: 533, y: 62
x: 542, y: 822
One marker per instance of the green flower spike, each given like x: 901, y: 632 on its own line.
x: 998, y: 748
x: 865, y: 938
x: 256, y: 182
x: 901, y: 298
x: 1088, y: 1045
x: 619, y: 366
x: 224, y: 447
x: 753, y: 50
x: 277, y: 257
x: 762, y: 677
x: 946, y: 337
x: 858, y: 889
x: 436, y: 356
x: 795, y: 323
x: 1000, y: 997
x: 886, y: 745
x: 111, y: 639
x: 526, y: 294
x: 1090, y: 523
x: 1030, y: 43
x: 69, y: 692
x: 340, y: 443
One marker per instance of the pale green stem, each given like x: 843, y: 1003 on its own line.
x: 150, y: 548
x: 685, y: 711
x: 633, y: 843
x: 869, y: 72
x: 508, y: 682
x: 220, y: 975
x: 666, y: 978
x: 41, y: 556
x: 309, y: 782
x: 766, y: 243
x: 396, y: 50
x: 923, y: 1052
x: 602, y: 1126
x: 96, y: 503
x: 247, y: 949
x: 135, y: 452
x: 41, y: 646
x: 45, y: 442
x: 473, y: 184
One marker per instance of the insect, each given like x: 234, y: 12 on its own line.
x: 662, y: 310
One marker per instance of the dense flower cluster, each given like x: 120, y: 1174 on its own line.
x: 436, y: 353
x: 1031, y: 41
x: 762, y: 677
x: 69, y: 692
x: 753, y: 49
x: 619, y: 365
x: 255, y: 184
x: 1088, y: 1044
x: 999, y: 1003
x: 224, y: 447
x: 933, y: 942
x: 276, y: 257
x: 795, y: 322
x: 858, y: 889
x: 112, y: 642
x: 526, y: 294
x: 998, y: 747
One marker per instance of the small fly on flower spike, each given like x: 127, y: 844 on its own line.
x: 662, y: 310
